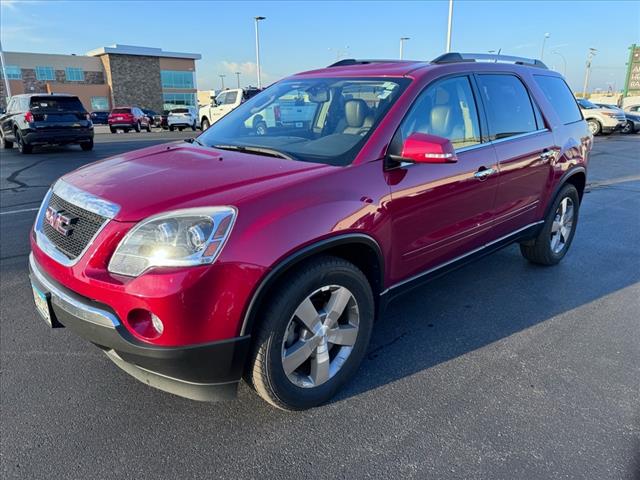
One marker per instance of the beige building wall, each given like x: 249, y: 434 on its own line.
x: 83, y: 92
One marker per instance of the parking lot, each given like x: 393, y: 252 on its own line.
x: 501, y: 369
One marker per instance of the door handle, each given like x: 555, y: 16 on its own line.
x: 483, y: 173
x: 548, y: 154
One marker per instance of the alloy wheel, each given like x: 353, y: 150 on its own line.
x: 320, y: 336
x: 562, y: 225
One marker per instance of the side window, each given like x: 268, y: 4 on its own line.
x: 509, y: 108
x: 11, y: 105
x: 447, y: 109
x: 231, y: 98
x: 220, y: 98
x: 560, y: 96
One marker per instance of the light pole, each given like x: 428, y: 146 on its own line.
x: 592, y: 53
x: 257, y: 19
x: 544, y: 40
x: 564, y: 61
x: 340, y: 52
x: 238, y: 78
x: 222, y: 75
x: 449, y: 27
x: 402, y: 40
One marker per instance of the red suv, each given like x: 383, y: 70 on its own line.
x: 128, y: 118
x: 267, y: 254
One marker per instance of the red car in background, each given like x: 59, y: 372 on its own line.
x: 267, y: 254
x: 128, y: 118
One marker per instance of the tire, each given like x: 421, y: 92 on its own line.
x: 23, y: 147
x: 204, y: 124
x: 543, y: 250
x: 171, y: 128
x: 323, y: 280
x: 628, y: 127
x: 595, y: 127
x: 148, y: 128
x: 125, y: 130
x: 87, y: 146
x: 5, y: 144
x: 113, y: 130
x: 136, y: 127
x: 193, y: 127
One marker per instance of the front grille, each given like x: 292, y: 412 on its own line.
x: 84, y: 228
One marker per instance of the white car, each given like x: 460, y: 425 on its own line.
x: 183, y: 117
x: 226, y: 101
x: 601, y: 120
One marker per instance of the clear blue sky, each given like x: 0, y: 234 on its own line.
x: 299, y: 35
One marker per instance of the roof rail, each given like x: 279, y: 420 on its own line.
x: 455, y: 57
x: 353, y: 61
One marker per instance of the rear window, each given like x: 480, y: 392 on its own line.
x: 121, y: 110
x: 560, y: 96
x: 509, y: 108
x: 59, y: 104
x: 180, y: 110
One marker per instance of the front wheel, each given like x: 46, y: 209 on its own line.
x: 554, y: 240
x: 87, y: 146
x: 628, y: 127
x: 148, y: 128
x: 314, y: 334
x: 171, y: 128
x: 594, y: 126
x: 193, y: 127
x: 204, y: 124
x: 6, y: 144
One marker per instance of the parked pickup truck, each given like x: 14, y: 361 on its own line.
x: 226, y: 101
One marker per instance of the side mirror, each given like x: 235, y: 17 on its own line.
x: 424, y: 148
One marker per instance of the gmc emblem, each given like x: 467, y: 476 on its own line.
x: 61, y: 221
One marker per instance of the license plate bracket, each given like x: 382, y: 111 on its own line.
x: 43, y: 307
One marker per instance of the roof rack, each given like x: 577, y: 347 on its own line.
x: 455, y: 57
x: 353, y: 61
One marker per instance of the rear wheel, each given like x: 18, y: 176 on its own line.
x: 136, y: 127
x: 554, y: 240
x: 314, y: 334
x: 23, y: 146
x: 193, y: 127
x: 87, y: 146
x: 594, y: 126
x: 180, y: 128
x: 148, y: 127
x: 171, y: 128
x: 113, y: 130
x: 628, y: 127
x: 261, y: 128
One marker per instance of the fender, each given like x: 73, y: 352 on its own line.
x: 563, y: 180
x: 295, y: 258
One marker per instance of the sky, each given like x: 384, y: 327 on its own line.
x: 302, y: 35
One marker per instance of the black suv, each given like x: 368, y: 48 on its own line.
x: 45, y: 119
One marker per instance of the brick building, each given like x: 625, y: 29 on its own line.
x: 107, y: 77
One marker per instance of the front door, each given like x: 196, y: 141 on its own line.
x: 441, y: 211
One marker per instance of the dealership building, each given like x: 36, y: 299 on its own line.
x: 119, y: 75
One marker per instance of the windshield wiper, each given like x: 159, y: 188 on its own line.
x: 194, y: 140
x: 269, y: 152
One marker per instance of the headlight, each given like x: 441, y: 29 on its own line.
x: 181, y: 238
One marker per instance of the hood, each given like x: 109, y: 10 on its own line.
x: 182, y: 175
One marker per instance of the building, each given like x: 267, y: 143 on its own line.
x: 107, y: 77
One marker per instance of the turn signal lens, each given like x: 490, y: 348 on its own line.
x: 28, y: 117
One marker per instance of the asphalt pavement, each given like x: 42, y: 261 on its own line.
x: 501, y: 369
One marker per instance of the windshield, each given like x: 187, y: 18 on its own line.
x: 324, y: 120
x: 586, y: 104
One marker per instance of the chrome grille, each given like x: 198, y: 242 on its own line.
x: 84, y: 229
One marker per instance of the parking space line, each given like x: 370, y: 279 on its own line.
x: 20, y: 211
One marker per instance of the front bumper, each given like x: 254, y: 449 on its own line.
x: 205, y: 372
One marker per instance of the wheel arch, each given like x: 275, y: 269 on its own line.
x: 360, y: 249
x: 577, y: 177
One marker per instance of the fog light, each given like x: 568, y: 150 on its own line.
x: 157, y: 323
x: 145, y: 323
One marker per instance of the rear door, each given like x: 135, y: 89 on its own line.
x: 442, y: 211
x: 57, y: 113
x: 524, y: 146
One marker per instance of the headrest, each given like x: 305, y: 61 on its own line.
x: 440, y: 119
x: 355, y: 111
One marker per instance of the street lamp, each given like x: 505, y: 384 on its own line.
x: 449, y: 27
x: 592, y: 53
x: 222, y: 75
x: 544, y: 40
x: 238, y: 77
x: 257, y: 19
x: 402, y: 40
x: 564, y: 61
